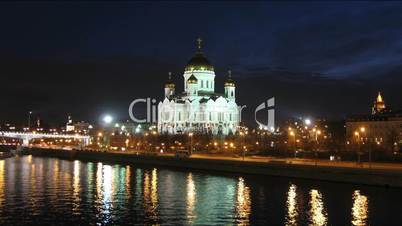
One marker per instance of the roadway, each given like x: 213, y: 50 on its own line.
x: 277, y: 160
x: 293, y: 161
x: 303, y: 161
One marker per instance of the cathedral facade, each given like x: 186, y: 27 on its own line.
x: 199, y: 108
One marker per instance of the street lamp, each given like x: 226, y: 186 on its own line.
x: 363, y: 130
x: 190, y: 135
x: 317, y: 132
x: 107, y: 119
x: 357, y: 135
x: 29, y: 120
x: 292, y: 134
x: 243, y: 142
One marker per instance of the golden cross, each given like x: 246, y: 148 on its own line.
x: 199, y: 41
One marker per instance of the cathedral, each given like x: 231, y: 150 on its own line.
x: 199, y: 109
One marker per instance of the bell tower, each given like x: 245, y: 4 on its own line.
x: 169, y: 87
x: 379, y: 105
x: 230, y: 87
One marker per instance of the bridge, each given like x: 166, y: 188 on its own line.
x: 26, y: 137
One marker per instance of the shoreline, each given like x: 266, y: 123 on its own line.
x: 362, y: 176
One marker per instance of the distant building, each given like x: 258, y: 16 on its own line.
x: 199, y: 108
x: 69, y: 125
x: 382, y: 127
x: 77, y: 127
x: 379, y: 105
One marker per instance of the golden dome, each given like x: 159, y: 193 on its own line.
x: 230, y: 82
x: 199, y: 61
x: 169, y: 83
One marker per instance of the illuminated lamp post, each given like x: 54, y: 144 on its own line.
x: 242, y: 145
x: 29, y: 120
x: 363, y: 130
x: 317, y: 133
x: 190, y: 135
x: 292, y: 134
x: 107, y: 119
x: 357, y: 135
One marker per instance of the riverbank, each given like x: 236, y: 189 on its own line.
x: 378, y: 177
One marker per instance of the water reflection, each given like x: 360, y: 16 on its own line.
x: 104, y: 188
x: 138, y: 188
x: 90, y: 174
x: 127, y: 180
x: 243, y: 205
x: 318, y: 215
x: 55, y: 171
x: 83, y: 193
x: 151, y: 194
x: 291, y: 204
x: 33, y: 187
x: 191, y: 195
x: 2, y: 183
x: 359, y: 209
x: 76, y: 187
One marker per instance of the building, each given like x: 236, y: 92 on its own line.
x: 382, y: 127
x: 70, y: 125
x: 77, y: 127
x: 199, y: 108
x: 378, y: 106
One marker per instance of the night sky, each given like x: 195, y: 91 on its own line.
x: 87, y: 59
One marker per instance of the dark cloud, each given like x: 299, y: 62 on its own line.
x: 325, y: 59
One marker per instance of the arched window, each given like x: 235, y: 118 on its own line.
x: 202, y: 83
x: 231, y: 94
x: 207, y: 84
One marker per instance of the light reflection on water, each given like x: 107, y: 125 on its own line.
x: 318, y: 214
x: 243, y: 205
x: 76, y: 187
x: 191, y: 195
x: 72, y: 192
x: 2, y: 183
x: 105, y: 191
x: 359, y: 209
x: 151, y: 194
x: 291, y: 203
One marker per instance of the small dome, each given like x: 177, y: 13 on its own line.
x: 169, y: 83
x: 229, y: 82
x: 192, y: 80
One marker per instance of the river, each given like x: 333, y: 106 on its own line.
x: 50, y: 191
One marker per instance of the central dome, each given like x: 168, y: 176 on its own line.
x: 199, y: 62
